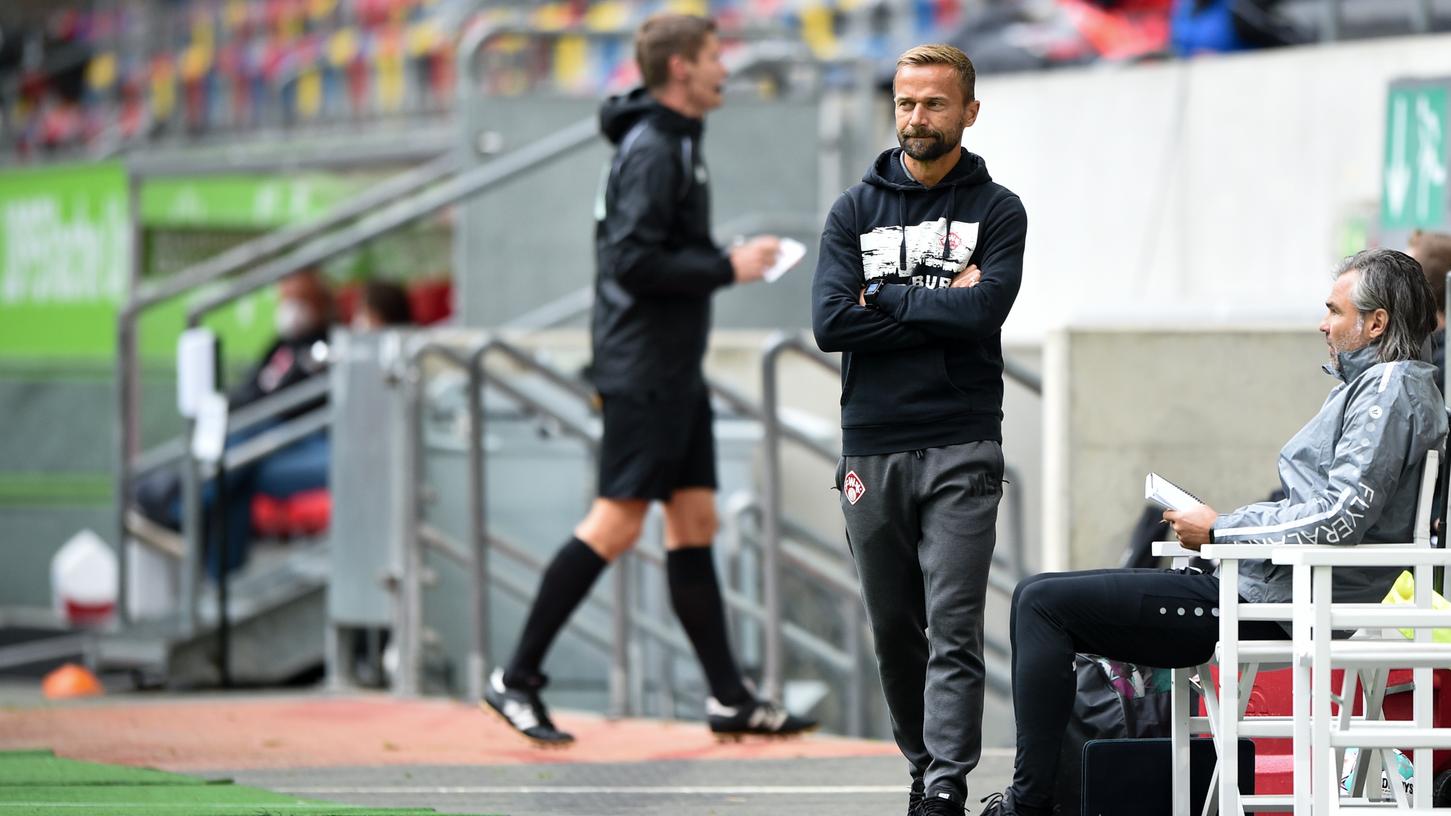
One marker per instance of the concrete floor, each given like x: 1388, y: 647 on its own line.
x: 848, y: 786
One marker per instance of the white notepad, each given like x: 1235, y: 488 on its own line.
x: 1168, y: 495
x: 790, y: 254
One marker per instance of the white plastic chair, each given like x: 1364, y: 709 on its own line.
x: 1319, y: 748
x: 1225, y: 704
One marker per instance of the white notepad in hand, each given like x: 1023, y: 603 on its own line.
x: 790, y: 254
x: 1168, y: 495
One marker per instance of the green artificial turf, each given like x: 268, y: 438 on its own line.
x: 37, y: 783
x: 27, y: 768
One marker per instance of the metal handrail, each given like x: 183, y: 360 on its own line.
x: 173, y: 450
x: 276, y: 438
x: 409, y: 612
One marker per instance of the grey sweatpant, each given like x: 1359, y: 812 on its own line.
x: 922, y: 526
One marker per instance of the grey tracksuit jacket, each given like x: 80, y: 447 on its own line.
x: 1351, y: 475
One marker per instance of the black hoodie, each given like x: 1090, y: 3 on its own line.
x: 657, y: 264
x: 923, y: 369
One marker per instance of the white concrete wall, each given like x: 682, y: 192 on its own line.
x: 1208, y: 192
x: 1208, y: 409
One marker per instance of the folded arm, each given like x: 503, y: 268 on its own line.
x: 839, y: 321
x: 970, y: 312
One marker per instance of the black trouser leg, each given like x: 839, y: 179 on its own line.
x: 1160, y: 618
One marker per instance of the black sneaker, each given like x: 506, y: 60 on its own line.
x: 940, y: 806
x: 761, y: 718
x: 523, y: 711
x: 1002, y: 804
x: 914, y: 798
x: 996, y: 805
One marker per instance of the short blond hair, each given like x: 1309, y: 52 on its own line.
x: 944, y: 54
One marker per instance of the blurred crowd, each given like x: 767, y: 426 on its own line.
x: 94, y: 78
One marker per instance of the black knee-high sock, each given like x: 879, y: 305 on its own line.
x: 565, y: 583
x: 695, y: 594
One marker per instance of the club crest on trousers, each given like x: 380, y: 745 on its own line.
x: 853, y: 487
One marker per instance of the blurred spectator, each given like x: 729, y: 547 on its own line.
x: 303, y: 315
x: 383, y: 304
x: 1432, y: 250
x: 1218, y: 26
x: 1021, y: 35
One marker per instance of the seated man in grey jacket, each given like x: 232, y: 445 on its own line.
x: 1351, y: 475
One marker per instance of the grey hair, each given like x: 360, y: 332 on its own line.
x: 1393, y: 281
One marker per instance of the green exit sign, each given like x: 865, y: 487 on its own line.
x: 1414, y: 172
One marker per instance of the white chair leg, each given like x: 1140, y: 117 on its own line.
x: 1180, y: 735
x: 1227, y: 735
x: 1301, y: 668
x: 1421, y: 696
x: 1326, y: 775
x: 1342, y: 723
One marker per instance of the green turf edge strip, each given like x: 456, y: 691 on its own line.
x: 31, y: 770
x: 99, y: 795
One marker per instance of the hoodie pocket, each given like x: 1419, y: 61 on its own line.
x: 903, y: 386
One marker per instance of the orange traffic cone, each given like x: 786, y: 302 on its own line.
x: 69, y: 681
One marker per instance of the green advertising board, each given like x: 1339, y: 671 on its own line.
x: 64, y: 253
x: 1416, y: 155
x: 239, y: 201
x: 65, y: 245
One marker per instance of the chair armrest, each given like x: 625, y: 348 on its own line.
x: 1241, y: 552
x: 1172, y: 549
x: 1361, y: 555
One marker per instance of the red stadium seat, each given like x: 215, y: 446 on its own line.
x: 302, y: 514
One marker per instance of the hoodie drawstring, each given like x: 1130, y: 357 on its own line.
x: 902, y: 219
x: 946, y: 235
x: 947, y: 228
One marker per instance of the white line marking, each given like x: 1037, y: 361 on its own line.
x: 582, y: 790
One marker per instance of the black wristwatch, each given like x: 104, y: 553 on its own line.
x: 869, y: 297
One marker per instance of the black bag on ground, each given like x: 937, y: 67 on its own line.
x: 1115, y: 700
x: 1135, y: 777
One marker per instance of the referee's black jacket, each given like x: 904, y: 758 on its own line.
x: 657, y: 264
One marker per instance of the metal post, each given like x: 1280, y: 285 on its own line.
x: 1421, y: 16
x: 407, y: 628
x: 127, y: 431
x: 1329, y: 20
x: 620, y: 647
x: 125, y: 450
x: 219, y: 513
x: 1016, y: 524
x: 855, y: 683
x: 192, y: 525
x: 771, y: 516
x: 478, y: 661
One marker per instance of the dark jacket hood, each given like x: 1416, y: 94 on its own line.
x: 888, y: 173
x: 620, y: 113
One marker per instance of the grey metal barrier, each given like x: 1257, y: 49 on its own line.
x: 419, y: 536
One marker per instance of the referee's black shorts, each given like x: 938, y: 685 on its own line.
x: 656, y: 444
